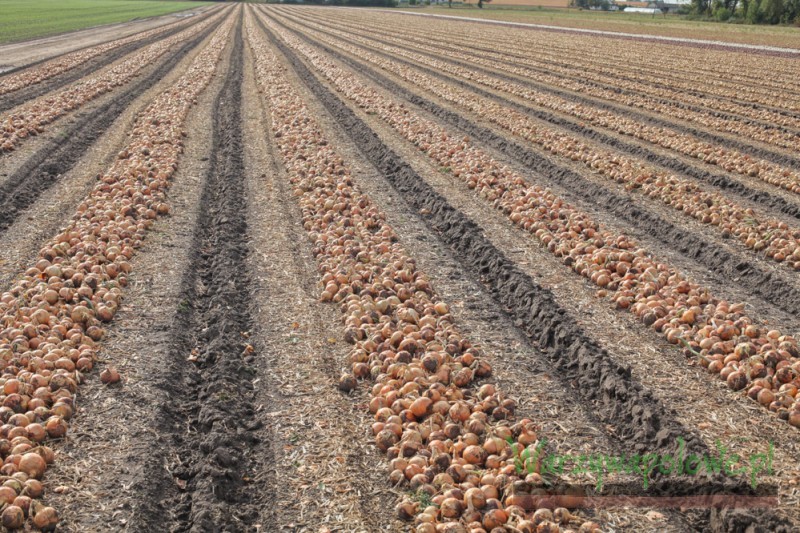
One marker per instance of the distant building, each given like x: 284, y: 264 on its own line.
x: 653, y: 6
x: 532, y: 3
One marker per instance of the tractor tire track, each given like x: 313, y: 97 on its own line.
x: 211, y: 427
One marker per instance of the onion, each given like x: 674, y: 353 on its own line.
x: 13, y: 517
x: 526, y: 526
x: 475, y: 498
x: 737, y: 380
x: 542, y: 515
x: 109, y: 376
x: 420, y: 407
x: 386, y: 439
x: 46, y: 519
x: 406, y: 510
x: 33, y: 488
x: 495, y: 518
x: 562, y: 515
x: 56, y: 427
x: 7, y: 495
x: 81, y: 314
x: 24, y: 503
x: 475, y: 455
x: 33, y: 465
x: 451, y: 508
x: 347, y: 383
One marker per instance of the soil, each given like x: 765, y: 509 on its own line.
x: 228, y: 417
x: 210, y: 431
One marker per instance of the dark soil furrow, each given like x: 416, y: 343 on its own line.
x: 639, y: 420
x: 62, y: 152
x: 211, y: 426
x: 773, y: 286
x: 741, y: 146
x: 15, y: 98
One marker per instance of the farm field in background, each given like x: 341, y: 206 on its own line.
x: 298, y: 268
x: 23, y: 19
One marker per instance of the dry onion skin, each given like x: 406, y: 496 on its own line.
x: 51, y: 320
x: 756, y: 231
x: 31, y: 118
x: 747, y: 355
x: 13, y: 517
x: 443, y: 434
x: 63, y: 63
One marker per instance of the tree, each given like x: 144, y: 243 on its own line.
x: 771, y: 11
x: 753, y: 14
x: 701, y: 7
x: 791, y: 11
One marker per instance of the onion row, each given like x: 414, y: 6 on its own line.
x: 68, y: 61
x: 727, y: 159
x: 727, y: 341
x: 52, y: 319
x: 578, y: 77
x: 752, y: 78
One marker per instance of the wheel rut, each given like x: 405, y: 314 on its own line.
x: 212, y: 426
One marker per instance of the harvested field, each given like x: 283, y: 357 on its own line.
x: 285, y: 268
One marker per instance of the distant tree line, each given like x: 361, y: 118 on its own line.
x: 750, y: 11
x: 592, y: 4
